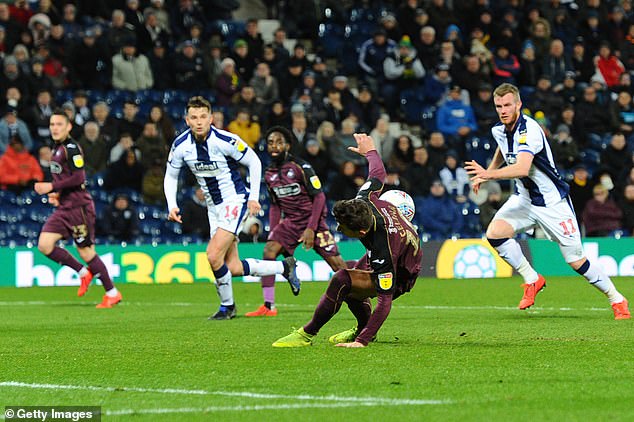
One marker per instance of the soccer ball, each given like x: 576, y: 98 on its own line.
x: 402, y: 201
x: 474, y: 261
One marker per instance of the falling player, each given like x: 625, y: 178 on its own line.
x: 541, y: 199
x: 75, y: 213
x: 295, y: 192
x: 213, y: 156
x: 393, y: 257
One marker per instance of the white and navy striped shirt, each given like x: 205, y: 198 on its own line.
x: 214, y: 163
x: 543, y: 186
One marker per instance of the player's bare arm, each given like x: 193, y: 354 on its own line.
x: 520, y: 169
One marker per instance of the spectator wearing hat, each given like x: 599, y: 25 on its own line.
x: 18, y: 169
x: 403, y: 70
x: 564, y: 28
x: 131, y: 71
x: 38, y: 116
x: 556, y: 64
x: 582, y: 61
x: 505, y: 66
x: 119, y: 32
x: 436, y: 84
x: 189, y: 69
x: 52, y: 66
x: 601, y: 215
x: 419, y: 174
x: 276, y: 63
x: 95, y: 149
x: 570, y: 92
x: 391, y: 27
x: 530, y: 68
x: 564, y: 148
x: 133, y: 15
x: 580, y: 190
x: 592, y: 119
x: 372, y: 54
x: 592, y: 29
x: 441, y: 218
x: 245, y: 64
x: 161, y: 65
x: 264, y: 84
x: 11, y: 76
x: 608, y: 66
x: 367, y: 110
x: 120, y: 220
x: 427, y: 46
x: 456, y: 120
x: 89, y: 63
x: 12, y: 126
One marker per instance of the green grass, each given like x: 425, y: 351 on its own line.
x: 459, y: 343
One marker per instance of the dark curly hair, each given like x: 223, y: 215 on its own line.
x: 287, y: 134
x: 355, y: 214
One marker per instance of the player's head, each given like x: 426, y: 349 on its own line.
x: 507, y: 103
x: 59, y: 125
x: 354, y: 217
x: 278, y: 142
x: 198, y: 117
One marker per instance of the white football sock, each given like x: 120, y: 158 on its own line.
x: 595, y: 276
x: 262, y: 267
x: 112, y: 292
x: 223, y: 286
x: 511, y: 252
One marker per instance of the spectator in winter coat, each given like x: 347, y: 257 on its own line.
x: 18, y: 169
x: 506, y: 66
x: 95, y: 149
x: 403, y: 70
x: 131, y: 71
x: 608, y: 65
x: 372, y: 54
x: 120, y: 219
x: 440, y: 218
x: 419, y: 174
x: 601, y: 215
x: 454, y: 178
x: 11, y: 125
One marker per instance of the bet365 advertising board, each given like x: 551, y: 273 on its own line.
x: 464, y: 258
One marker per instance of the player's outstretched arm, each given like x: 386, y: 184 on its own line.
x: 170, y: 186
x: 365, y: 146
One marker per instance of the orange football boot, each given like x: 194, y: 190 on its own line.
x: 621, y: 310
x: 109, y: 302
x: 85, y: 283
x: 262, y: 311
x: 530, y: 291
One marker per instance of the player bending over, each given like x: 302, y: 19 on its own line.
x: 295, y: 192
x: 393, y: 255
x: 541, y: 199
x: 213, y: 156
x: 75, y: 213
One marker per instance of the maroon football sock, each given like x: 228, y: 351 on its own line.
x: 61, y: 256
x: 99, y: 270
x: 268, y: 281
x: 329, y: 304
x: 361, y: 309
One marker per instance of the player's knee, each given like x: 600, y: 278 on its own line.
x: 45, y: 248
x: 215, y: 260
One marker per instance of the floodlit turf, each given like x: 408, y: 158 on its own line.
x: 450, y: 350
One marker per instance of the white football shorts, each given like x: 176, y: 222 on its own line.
x: 228, y: 216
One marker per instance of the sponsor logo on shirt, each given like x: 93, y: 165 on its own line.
x: 78, y: 160
x: 206, y: 166
x: 56, y: 168
x: 241, y: 146
x: 287, y: 190
x: 314, y: 180
x: 385, y: 281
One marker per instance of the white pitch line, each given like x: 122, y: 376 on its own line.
x: 376, y: 400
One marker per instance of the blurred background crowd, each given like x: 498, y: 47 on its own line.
x: 417, y: 75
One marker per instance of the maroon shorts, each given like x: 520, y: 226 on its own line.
x: 287, y: 234
x: 405, y: 280
x: 78, y: 223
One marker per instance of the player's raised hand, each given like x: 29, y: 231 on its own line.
x: 42, y: 188
x: 175, y: 215
x: 254, y: 208
x: 308, y: 238
x: 365, y: 143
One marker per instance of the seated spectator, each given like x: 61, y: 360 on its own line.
x: 69, y: 109
x: 506, y: 66
x: 195, y: 218
x: 252, y: 231
x: 402, y: 153
x: 339, y: 148
x: 83, y: 113
x: 19, y: 170
x: 245, y: 128
x: 615, y: 157
x: 264, y: 84
x: 437, y: 149
x: 108, y: 125
x: 131, y: 71
x: 439, y: 218
x: 608, y: 66
x: 336, y: 111
x: 372, y: 54
x: 44, y: 157
x: 120, y: 219
x: 454, y: 178
x: 129, y: 122
x: 627, y: 206
x: 601, y: 215
x: 126, y: 143
x: 228, y: 83
x: 318, y: 159
x: 565, y: 150
x: 95, y: 149
x: 38, y: 116
x: 152, y: 186
x: 383, y: 140
x: 366, y: 109
x: 592, y: 118
x: 125, y: 173
x: 189, y: 69
x: 163, y: 123
x: 436, y: 84
x: 246, y: 101
x: 484, y: 109
x: 544, y: 98
x: 570, y: 92
x: 151, y: 146
x: 245, y: 63
x: 11, y: 125
x: 346, y: 183
x: 492, y: 204
x: 403, y: 70
x: 556, y: 64
x: 394, y: 181
x: 218, y: 119
x: 456, y: 120
x: 278, y: 115
x: 623, y: 114
x: 419, y: 174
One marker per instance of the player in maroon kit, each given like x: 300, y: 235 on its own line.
x: 75, y: 213
x: 393, y: 256
x: 295, y: 192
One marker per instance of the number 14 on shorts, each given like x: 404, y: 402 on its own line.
x: 232, y: 211
x: 568, y: 226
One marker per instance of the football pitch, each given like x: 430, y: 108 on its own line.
x: 449, y: 350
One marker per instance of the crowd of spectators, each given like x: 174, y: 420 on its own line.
x: 416, y: 74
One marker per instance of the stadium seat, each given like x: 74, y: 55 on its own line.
x: 480, y: 149
x: 151, y: 227
x: 330, y: 36
x: 471, y: 227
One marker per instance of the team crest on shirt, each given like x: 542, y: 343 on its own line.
x: 511, y: 158
x: 522, y: 138
x: 385, y: 281
x: 290, y: 173
x: 241, y: 146
x: 78, y: 160
x: 314, y: 180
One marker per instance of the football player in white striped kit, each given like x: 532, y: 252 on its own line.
x: 540, y: 199
x: 213, y: 156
